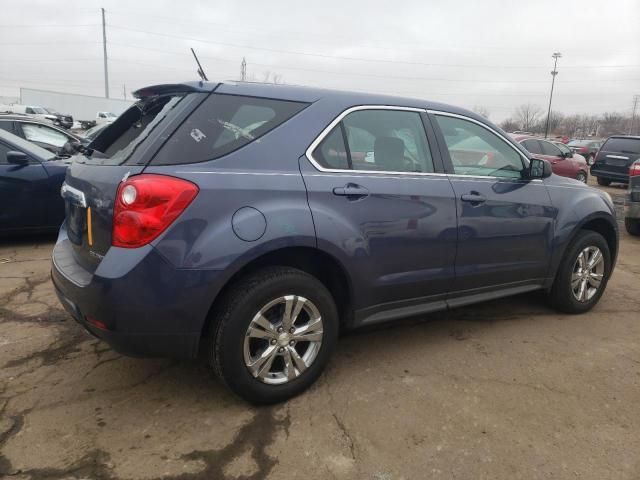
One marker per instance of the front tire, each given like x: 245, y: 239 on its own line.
x: 632, y: 225
x: 583, y: 274
x: 582, y: 177
x: 605, y: 182
x: 274, y: 333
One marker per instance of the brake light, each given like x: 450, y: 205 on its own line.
x: 146, y: 205
x: 634, y: 169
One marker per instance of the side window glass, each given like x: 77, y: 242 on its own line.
x: 8, y: 126
x: 387, y: 140
x: 3, y: 154
x: 29, y: 111
x: 550, y: 149
x: 532, y: 146
x: 42, y: 134
x: 332, y: 153
x: 475, y: 150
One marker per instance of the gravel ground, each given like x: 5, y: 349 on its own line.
x: 508, y: 389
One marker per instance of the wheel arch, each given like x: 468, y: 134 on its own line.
x: 314, y: 261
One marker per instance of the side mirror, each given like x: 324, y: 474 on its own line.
x: 539, y: 168
x: 568, y: 154
x: 17, y: 158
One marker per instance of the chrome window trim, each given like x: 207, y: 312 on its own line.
x: 338, y: 119
x: 509, y: 142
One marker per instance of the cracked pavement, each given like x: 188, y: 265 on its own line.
x: 507, y: 389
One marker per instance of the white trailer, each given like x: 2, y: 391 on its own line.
x: 83, y: 108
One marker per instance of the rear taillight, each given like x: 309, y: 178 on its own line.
x: 146, y: 205
x: 634, y: 169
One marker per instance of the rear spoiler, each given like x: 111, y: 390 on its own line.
x: 169, y: 88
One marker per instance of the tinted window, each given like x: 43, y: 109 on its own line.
x: 5, y: 125
x: 332, y: 153
x: 387, y: 140
x: 43, y: 134
x: 564, y: 149
x: 224, y: 123
x: 532, y: 145
x: 474, y: 150
x: 3, y: 153
x: 578, y: 143
x: 549, y: 149
x: 622, y: 145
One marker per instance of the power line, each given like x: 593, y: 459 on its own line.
x: 360, y: 59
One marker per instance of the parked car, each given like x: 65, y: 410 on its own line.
x: 632, y: 204
x: 42, y: 134
x: 61, y: 119
x: 253, y: 222
x: 30, y: 181
x: 31, y: 110
x: 563, y: 161
x: 93, y: 132
x: 587, y: 148
x: 614, y: 159
x: 105, y: 117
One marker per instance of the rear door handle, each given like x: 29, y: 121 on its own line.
x: 473, y: 198
x: 351, y: 190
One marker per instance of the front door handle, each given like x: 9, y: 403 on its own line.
x: 351, y: 190
x: 474, y: 198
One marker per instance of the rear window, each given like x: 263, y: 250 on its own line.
x: 123, y: 137
x: 622, y: 145
x: 223, y: 124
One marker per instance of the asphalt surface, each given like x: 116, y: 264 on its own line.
x: 508, y: 389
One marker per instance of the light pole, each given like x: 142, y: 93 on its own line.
x: 554, y: 72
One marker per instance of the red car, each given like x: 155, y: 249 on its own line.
x: 563, y: 161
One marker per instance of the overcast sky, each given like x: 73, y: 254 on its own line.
x: 493, y: 53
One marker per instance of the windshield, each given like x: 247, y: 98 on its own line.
x: 38, y: 110
x: 579, y: 143
x: 52, y: 111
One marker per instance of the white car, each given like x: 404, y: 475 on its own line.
x: 32, y: 110
x: 105, y: 117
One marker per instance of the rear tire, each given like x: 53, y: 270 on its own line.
x: 605, y: 182
x: 632, y: 225
x: 241, y: 338
x: 570, y: 275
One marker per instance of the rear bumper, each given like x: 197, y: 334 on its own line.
x: 148, y: 307
x: 599, y: 171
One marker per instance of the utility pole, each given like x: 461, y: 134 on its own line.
x: 633, y: 113
x: 104, y: 50
x: 555, y: 57
x: 124, y: 91
x: 243, y: 70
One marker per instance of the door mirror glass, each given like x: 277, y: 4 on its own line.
x: 539, y: 168
x: 17, y: 158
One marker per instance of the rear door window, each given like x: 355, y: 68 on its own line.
x: 378, y: 141
x: 550, y: 149
x: 223, y: 124
x: 532, y: 146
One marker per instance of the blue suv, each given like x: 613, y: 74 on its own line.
x: 252, y: 223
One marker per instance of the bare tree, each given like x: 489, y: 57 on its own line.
x: 509, y: 125
x: 527, y: 115
x: 481, y: 110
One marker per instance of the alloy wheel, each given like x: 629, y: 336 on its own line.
x: 283, y: 339
x: 588, y: 273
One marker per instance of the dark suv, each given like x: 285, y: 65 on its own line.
x: 614, y: 159
x: 253, y: 222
